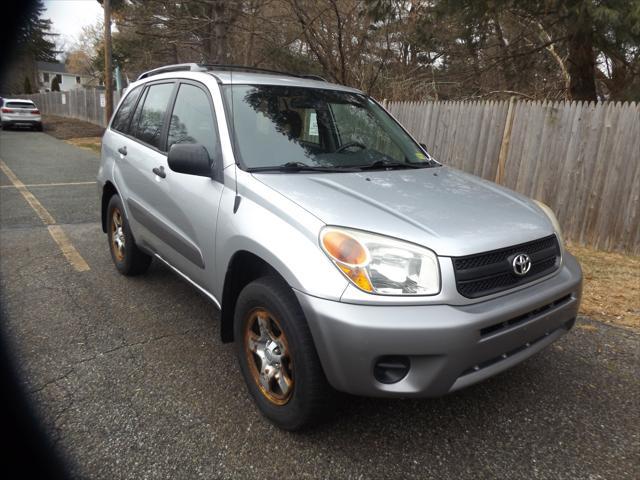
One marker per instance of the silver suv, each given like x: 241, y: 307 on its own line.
x: 341, y: 255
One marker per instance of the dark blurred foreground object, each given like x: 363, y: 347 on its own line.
x: 25, y: 40
x: 26, y: 450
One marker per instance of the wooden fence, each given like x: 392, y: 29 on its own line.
x: 581, y: 159
x: 85, y: 104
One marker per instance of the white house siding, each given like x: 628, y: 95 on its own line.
x: 68, y: 81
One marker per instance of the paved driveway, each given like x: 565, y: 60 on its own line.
x: 131, y: 380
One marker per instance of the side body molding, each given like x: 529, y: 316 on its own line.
x: 176, y: 241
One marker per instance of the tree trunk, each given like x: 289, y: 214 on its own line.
x: 581, y: 60
x: 248, y: 49
x: 216, y: 42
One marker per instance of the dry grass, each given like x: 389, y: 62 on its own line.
x: 76, y: 132
x: 611, y: 286
x: 92, y: 143
x: 66, y: 128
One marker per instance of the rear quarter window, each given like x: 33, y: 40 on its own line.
x: 122, y: 118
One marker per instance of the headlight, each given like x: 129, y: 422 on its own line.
x: 382, y: 265
x: 552, y: 216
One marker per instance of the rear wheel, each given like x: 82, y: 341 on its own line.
x: 277, y: 355
x: 127, y: 257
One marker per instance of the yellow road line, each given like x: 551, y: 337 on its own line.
x: 63, y: 184
x: 56, y: 232
x: 42, y: 212
x: 68, y: 250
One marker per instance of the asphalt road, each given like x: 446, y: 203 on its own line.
x: 131, y: 380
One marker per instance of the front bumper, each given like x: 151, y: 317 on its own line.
x: 448, y: 347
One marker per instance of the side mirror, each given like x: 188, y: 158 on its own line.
x: 424, y: 147
x: 190, y: 158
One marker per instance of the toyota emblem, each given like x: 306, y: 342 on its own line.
x: 521, y: 264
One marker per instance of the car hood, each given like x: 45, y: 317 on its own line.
x: 446, y: 210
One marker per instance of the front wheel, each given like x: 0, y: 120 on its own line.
x: 277, y: 355
x: 127, y: 257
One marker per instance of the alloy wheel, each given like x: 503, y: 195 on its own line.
x: 268, y: 356
x: 117, y: 234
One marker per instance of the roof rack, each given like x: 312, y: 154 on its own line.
x: 189, y: 67
x: 196, y: 67
x: 244, y: 68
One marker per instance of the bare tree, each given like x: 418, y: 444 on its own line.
x: 402, y: 49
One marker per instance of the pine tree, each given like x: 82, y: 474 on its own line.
x: 33, y: 36
x: 31, y: 42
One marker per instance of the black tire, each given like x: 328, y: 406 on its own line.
x: 129, y: 260
x: 311, y: 396
x: 39, y: 128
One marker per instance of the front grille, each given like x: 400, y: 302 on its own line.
x: 492, y: 272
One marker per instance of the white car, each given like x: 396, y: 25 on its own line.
x: 16, y: 112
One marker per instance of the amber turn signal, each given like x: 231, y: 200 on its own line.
x: 344, y: 248
x: 359, y: 277
x: 349, y: 255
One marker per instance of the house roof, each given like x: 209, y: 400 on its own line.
x: 51, y: 67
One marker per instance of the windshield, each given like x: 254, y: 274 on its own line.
x: 294, y: 126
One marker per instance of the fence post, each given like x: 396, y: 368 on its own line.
x: 506, y: 138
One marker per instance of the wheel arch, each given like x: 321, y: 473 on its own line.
x: 108, y: 191
x: 243, y: 268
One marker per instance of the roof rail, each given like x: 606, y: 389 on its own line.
x: 244, y: 68
x: 313, y: 77
x: 195, y: 67
x: 189, y: 67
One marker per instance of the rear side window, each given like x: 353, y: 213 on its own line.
x: 149, y: 117
x: 123, y: 116
x: 193, y: 120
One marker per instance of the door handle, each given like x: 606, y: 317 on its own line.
x: 122, y: 151
x: 159, y: 171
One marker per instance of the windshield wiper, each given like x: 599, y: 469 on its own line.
x: 300, y: 167
x: 393, y: 164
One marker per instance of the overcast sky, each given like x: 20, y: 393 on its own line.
x: 69, y: 16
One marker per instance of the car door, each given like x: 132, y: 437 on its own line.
x: 189, y: 208
x: 142, y: 162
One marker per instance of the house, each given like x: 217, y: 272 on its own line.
x: 47, y: 71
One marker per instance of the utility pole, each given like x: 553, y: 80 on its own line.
x: 108, y: 75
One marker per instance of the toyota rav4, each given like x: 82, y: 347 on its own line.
x: 341, y: 255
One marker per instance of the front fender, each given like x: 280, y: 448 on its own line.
x: 278, y: 231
